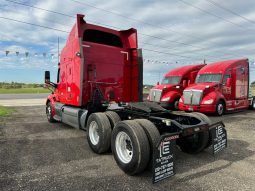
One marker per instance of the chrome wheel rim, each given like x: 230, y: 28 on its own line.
x: 93, y: 133
x: 48, y: 109
x: 124, y: 147
x: 220, y: 109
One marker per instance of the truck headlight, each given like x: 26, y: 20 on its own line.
x: 165, y: 99
x: 209, y: 101
x: 180, y: 100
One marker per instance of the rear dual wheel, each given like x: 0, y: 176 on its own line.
x: 130, y: 147
x: 196, y: 143
x: 113, y: 117
x: 132, y: 141
x: 99, y: 132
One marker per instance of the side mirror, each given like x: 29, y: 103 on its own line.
x: 47, y: 77
x: 157, y: 83
x: 229, y: 82
x: 184, y: 83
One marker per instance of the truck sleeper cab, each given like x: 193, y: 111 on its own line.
x: 100, y: 84
x: 171, y: 88
x: 219, y: 87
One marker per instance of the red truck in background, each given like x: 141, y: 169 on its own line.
x: 219, y: 87
x: 98, y: 89
x: 174, y: 82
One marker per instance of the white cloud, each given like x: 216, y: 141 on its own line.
x: 188, y: 31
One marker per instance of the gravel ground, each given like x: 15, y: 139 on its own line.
x: 36, y: 155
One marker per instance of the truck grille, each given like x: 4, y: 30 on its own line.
x: 192, y: 97
x: 155, y: 95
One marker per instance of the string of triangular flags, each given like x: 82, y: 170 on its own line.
x: 27, y: 54
x: 151, y: 61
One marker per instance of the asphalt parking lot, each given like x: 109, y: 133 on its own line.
x: 37, y: 155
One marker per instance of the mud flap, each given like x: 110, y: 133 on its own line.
x: 163, y: 157
x: 218, y: 135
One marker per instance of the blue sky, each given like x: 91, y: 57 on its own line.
x: 171, y: 33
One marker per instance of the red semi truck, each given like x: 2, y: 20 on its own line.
x: 98, y: 89
x: 169, y: 92
x: 219, y: 87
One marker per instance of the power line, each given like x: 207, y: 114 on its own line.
x: 39, y: 8
x: 33, y: 24
x: 71, y: 16
x: 212, y: 14
x: 137, y: 20
x: 230, y: 11
x: 168, y: 53
x: 131, y: 18
x: 55, y: 12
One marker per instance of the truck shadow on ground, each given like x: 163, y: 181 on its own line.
x: 236, y: 151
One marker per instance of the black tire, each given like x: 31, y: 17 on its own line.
x: 137, y: 145
x: 98, y: 126
x: 113, y: 117
x: 195, y: 143
x: 49, y: 113
x: 153, y: 136
x: 209, y: 122
x: 220, y: 108
x: 176, y: 104
x: 203, y: 117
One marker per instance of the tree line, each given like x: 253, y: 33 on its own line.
x: 16, y: 85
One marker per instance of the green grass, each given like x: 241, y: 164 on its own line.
x: 146, y: 90
x: 4, y: 111
x: 23, y: 90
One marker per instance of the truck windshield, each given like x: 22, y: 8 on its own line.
x: 171, y: 80
x: 208, y: 78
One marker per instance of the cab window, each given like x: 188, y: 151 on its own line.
x: 225, y: 77
x: 101, y: 37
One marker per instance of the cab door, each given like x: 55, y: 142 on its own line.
x: 226, y: 91
x: 69, y: 81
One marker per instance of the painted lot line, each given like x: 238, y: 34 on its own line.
x: 22, y: 102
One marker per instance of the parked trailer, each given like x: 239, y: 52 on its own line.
x: 99, y: 87
x: 169, y: 92
x: 220, y: 87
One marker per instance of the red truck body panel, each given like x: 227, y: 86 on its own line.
x: 172, y: 92
x: 96, y: 57
x: 208, y: 94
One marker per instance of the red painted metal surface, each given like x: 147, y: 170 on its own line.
x: 174, y: 91
x: 234, y: 96
x: 90, y: 61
